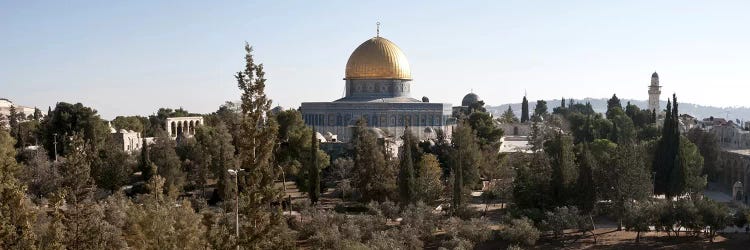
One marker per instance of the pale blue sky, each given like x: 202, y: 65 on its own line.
x: 132, y: 57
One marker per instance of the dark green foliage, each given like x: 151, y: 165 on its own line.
x: 168, y: 165
x: 625, y: 178
x: 67, y: 119
x: 708, y: 145
x: 508, y: 116
x: 585, y: 188
x: 488, y: 133
x: 564, y: 172
x: 524, y: 110
x: 531, y: 186
x: 613, y: 104
x: 466, y: 154
x: 666, y: 155
x: 541, y: 108
x: 406, y: 175
x: 112, y: 167
x: 134, y: 123
x: 373, y: 175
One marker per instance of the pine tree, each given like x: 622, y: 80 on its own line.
x: 524, y: 110
x: 13, y: 122
x: 313, y: 171
x: 76, y: 169
x: 16, y: 214
x: 406, y: 179
x: 613, y: 103
x: 259, y: 222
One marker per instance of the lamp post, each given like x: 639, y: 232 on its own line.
x: 235, y: 173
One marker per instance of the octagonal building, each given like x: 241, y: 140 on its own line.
x: 378, y: 89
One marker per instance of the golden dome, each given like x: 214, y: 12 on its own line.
x: 378, y: 58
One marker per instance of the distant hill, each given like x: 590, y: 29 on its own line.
x: 600, y: 105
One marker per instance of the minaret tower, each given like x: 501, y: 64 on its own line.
x: 654, y: 90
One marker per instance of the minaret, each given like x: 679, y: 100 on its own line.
x: 654, y: 90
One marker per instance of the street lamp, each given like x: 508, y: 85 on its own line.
x: 235, y: 173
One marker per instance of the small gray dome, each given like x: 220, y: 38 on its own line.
x: 425, y: 99
x: 470, y: 99
x: 377, y: 132
x: 655, y: 75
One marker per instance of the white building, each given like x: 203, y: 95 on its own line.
x: 5, y: 105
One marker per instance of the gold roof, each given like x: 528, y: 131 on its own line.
x: 378, y: 58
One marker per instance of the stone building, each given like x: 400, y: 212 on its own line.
x: 378, y: 90
x: 654, y: 90
x: 735, y: 168
x: 183, y: 125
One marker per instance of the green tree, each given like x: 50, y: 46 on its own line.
x: 17, y: 216
x: 613, y: 104
x: 626, y: 178
x: 406, y: 178
x: 564, y: 172
x: 76, y: 169
x: 666, y: 161
x: 67, y: 119
x: 168, y: 165
x: 428, y: 186
x: 466, y: 155
x: 691, y: 163
x: 160, y: 222
x: 708, y: 145
x: 508, y: 116
x: 133, y: 123
x: 112, y: 167
x: 531, y: 186
x: 524, y: 110
x: 714, y: 215
x: 257, y: 140
x: 217, y: 149
x: 541, y: 108
x: 585, y: 189
x: 373, y: 176
x: 487, y: 132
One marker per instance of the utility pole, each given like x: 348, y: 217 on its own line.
x: 55, y: 142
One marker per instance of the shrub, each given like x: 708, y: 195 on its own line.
x: 457, y: 243
x: 521, y: 231
x: 422, y: 218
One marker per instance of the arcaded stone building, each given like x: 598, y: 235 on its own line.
x: 378, y: 89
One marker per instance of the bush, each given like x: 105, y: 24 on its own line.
x: 396, y: 238
x: 740, y: 218
x: 562, y: 218
x: 514, y: 247
x: 457, y: 243
x: 422, y: 218
x: 474, y: 230
x: 521, y: 231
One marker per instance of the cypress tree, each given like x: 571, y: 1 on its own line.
x: 663, y: 161
x: 406, y: 179
x: 458, y: 183
x: 13, y: 122
x: 313, y: 171
x: 524, y: 110
x: 257, y: 139
x: 585, y: 187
